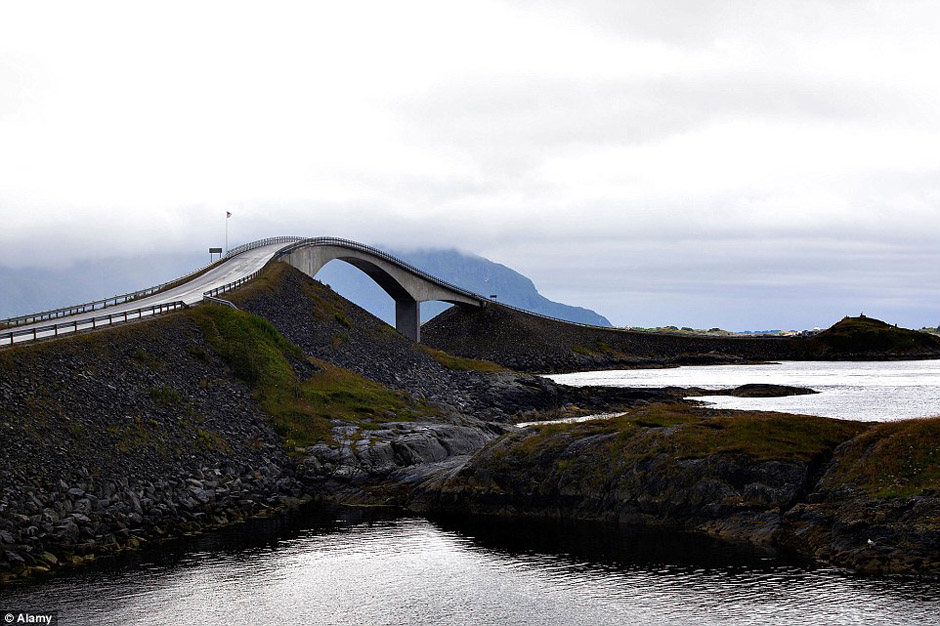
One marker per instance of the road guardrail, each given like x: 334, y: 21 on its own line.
x: 89, y: 323
x: 86, y: 307
x: 293, y: 244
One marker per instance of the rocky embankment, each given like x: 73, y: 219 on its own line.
x: 534, y: 344
x: 377, y: 461
x: 326, y: 326
x: 121, y: 437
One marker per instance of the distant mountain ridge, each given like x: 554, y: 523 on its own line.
x: 30, y: 290
x: 468, y: 271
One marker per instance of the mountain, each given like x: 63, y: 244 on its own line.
x: 33, y: 289
x: 468, y: 271
x: 30, y: 290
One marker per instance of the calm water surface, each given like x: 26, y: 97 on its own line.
x: 865, y: 391
x: 349, y: 567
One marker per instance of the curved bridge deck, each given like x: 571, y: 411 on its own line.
x: 408, y: 286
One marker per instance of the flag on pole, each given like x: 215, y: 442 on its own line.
x: 228, y: 214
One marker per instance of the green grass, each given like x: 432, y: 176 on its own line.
x: 251, y: 346
x: 686, y: 432
x: 164, y: 395
x: 335, y: 393
x: 140, y: 355
x: 462, y: 364
x: 270, y: 277
x: 135, y: 435
x: 599, y: 350
x: 866, y: 334
x: 302, y: 411
x: 895, y: 459
x: 592, y: 454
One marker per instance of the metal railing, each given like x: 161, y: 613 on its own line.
x: 219, y: 301
x: 232, y: 285
x: 251, y: 245
x: 355, y: 245
x: 245, y: 247
x: 294, y: 242
x: 100, y: 304
x: 88, y: 323
x: 361, y: 247
x: 86, y: 307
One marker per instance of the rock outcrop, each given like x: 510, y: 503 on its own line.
x: 794, y: 481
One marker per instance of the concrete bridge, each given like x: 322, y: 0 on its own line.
x: 406, y: 284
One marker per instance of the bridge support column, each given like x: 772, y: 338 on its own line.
x: 408, y: 319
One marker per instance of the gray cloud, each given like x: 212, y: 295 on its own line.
x: 729, y: 163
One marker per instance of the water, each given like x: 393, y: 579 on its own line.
x: 864, y: 391
x: 350, y: 567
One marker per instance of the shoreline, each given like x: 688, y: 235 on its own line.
x: 204, y: 417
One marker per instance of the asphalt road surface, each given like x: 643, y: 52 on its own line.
x: 190, y: 293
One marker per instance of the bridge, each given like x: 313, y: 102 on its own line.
x: 406, y: 284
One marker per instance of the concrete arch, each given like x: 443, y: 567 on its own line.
x: 407, y: 285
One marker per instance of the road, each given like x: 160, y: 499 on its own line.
x: 190, y: 293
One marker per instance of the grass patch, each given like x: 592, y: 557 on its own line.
x: 462, y: 364
x: 867, y: 334
x: 251, y: 346
x: 761, y: 436
x: 164, y: 395
x: 687, y: 432
x: 134, y: 435
x: 301, y: 411
x: 142, y: 356
x: 335, y: 393
x: 198, y: 353
x: 267, y: 281
x: 595, y: 454
x: 895, y: 459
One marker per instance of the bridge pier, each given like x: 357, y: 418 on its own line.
x: 408, y: 318
x: 407, y: 286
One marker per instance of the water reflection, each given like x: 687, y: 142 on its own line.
x: 359, y: 566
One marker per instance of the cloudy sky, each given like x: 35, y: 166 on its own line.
x: 737, y: 164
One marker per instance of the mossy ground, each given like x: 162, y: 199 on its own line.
x: 599, y: 350
x: 685, y: 431
x: 302, y: 410
x: 895, y: 459
x: 267, y: 281
x: 867, y: 334
x: 461, y: 364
